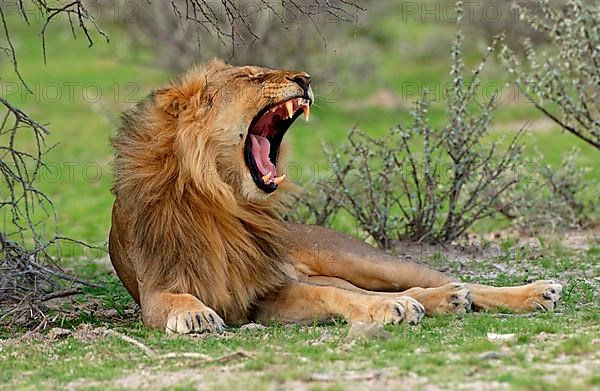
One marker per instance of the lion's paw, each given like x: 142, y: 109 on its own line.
x: 543, y: 295
x: 195, y: 322
x: 401, y: 309
x: 451, y: 298
x: 457, y: 299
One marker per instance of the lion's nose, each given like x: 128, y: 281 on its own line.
x: 302, y: 79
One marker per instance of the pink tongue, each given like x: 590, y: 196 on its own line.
x: 260, y: 151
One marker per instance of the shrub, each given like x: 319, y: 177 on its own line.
x: 552, y: 198
x: 418, y: 182
x: 562, y: 81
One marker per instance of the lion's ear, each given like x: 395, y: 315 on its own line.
x: 170, y: 100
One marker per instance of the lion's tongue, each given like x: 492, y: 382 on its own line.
x: 260, y: 150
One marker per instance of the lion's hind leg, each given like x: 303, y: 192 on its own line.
x: 330, y: 258
x: 301, y: 302
x: 541, y: 295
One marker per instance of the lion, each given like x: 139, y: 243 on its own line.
x: 197, y: 236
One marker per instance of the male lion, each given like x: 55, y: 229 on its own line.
x: 196, y: 236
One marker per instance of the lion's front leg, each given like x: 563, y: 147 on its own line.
x: 300, y: 302
x: 179, y: 313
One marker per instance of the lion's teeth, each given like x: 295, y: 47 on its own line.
x: 289, y: 105
x: 266, y: 178
x: 279, y: 179
x: 306, y: 110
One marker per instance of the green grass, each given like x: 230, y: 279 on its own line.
x: 444, y: 351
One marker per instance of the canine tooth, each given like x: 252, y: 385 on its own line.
x: 279, y: 179
x: 306, y: 110
x: 266, y: 178
x: 289, y: 105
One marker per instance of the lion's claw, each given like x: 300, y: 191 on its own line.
x: 195, y: 322
x: 406, y: 309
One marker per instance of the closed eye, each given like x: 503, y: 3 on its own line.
x: 257, y: 76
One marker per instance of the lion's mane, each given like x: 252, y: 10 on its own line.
x: 191, y: 232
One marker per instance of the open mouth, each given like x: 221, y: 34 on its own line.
x: 264, y: 139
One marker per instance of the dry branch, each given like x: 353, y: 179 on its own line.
x: 200, y: 357
x: 262, y: 32
x: 29, y: 276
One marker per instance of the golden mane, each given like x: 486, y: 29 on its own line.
x: 189, y: 224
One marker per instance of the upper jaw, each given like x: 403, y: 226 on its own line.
x: 304, y: 99
x: 292, y: 106
x: 306, y: 94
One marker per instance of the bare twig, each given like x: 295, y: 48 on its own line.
x: 231, y: 356
x: 29, y: 275
x: 241, y: 31
x: 59, y: 294
x: 149, y: 352
x: 50, y: 11
x: 203, y: 358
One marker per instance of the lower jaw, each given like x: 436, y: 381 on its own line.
x: 256, y: 176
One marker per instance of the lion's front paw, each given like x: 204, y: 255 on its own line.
x: 543, y: 295
x: 396, y: 310
x: 414, y: 311
x: 195, y: 321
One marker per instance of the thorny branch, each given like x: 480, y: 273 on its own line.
x: 29, y: 275
x: 181, y: 32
